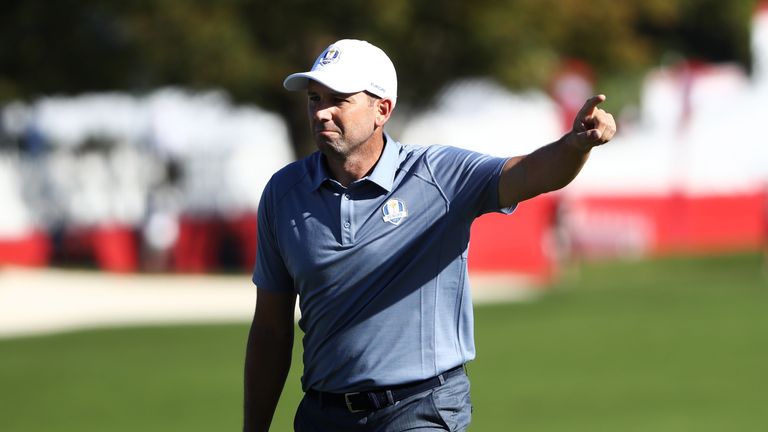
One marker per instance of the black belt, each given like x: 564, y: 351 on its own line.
x: 380, y: 398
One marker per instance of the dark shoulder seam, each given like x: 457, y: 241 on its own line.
x: 289, y: 188
x: 433, y: 180
x: 284, y: 191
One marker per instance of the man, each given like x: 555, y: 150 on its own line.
x: 372, y: 236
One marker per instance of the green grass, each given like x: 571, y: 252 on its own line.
x: 673, y: 345
x: 670, y: 345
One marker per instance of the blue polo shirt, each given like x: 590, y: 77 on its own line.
x: 380, y: 266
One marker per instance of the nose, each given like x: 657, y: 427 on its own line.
x: 321, y: 112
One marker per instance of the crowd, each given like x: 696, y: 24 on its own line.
x: 171, y: 180
x: 160, y: 169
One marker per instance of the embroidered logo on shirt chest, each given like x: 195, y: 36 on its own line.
x: 394, y: 211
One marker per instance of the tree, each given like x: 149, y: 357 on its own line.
x: 247, y: 47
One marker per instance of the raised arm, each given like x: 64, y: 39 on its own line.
x: 267, y: 358
x: 553, y: 166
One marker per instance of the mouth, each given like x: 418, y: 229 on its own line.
x: 326, y: 132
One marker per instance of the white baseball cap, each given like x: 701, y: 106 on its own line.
x: 350, y: 66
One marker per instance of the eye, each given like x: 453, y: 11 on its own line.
x: 314, y: 98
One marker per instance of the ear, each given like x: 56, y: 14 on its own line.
x: 384, y: 109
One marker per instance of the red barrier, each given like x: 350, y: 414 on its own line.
x: 515, y: 243
x: 521, y: 243
x: 243, y: 231
x: 653, y: 224
x: 196, y: 248
x: 32, y: 250
x: 115, y: 248
x: 112, y: 248
x: 604, y: 226
x: 203, y: 241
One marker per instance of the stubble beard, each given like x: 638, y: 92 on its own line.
x: 336, y: 148
x: 339, y: 147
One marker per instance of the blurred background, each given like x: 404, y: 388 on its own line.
x: 136, y: 138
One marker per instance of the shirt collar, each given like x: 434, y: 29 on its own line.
x: 383, y: 173
x: 319, y: 171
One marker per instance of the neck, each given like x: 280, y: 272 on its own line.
x: 358, y: 164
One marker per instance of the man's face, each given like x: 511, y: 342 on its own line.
x: 340, y: 122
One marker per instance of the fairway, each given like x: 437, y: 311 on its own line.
x: 672, y: 345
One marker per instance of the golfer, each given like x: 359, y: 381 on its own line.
x: 372, y: 235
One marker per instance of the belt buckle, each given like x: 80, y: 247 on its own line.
x: 349, y: 402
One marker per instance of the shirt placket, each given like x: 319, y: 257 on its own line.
x: 347, y: 219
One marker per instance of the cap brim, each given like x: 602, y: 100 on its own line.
x: 296, y: 82
x: 300, y: 81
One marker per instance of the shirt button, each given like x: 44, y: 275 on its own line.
x: 346, y: 196
x: 346, y: 225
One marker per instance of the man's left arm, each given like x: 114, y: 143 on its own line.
x: 555, y: 165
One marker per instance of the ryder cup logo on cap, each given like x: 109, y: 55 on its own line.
x: 350, y: 66
x: 394, y: 211
x: 330, y: 56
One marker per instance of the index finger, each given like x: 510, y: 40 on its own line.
x: 591, y: 104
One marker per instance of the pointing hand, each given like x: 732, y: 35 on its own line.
x: 592, y: 126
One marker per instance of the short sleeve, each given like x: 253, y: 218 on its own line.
x: 470, y: 180
x: 270, y: 272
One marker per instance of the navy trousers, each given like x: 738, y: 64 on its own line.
x: 445, y: 408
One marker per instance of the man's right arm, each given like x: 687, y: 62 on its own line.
x: 268, y: 357
x: 555, y: 165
